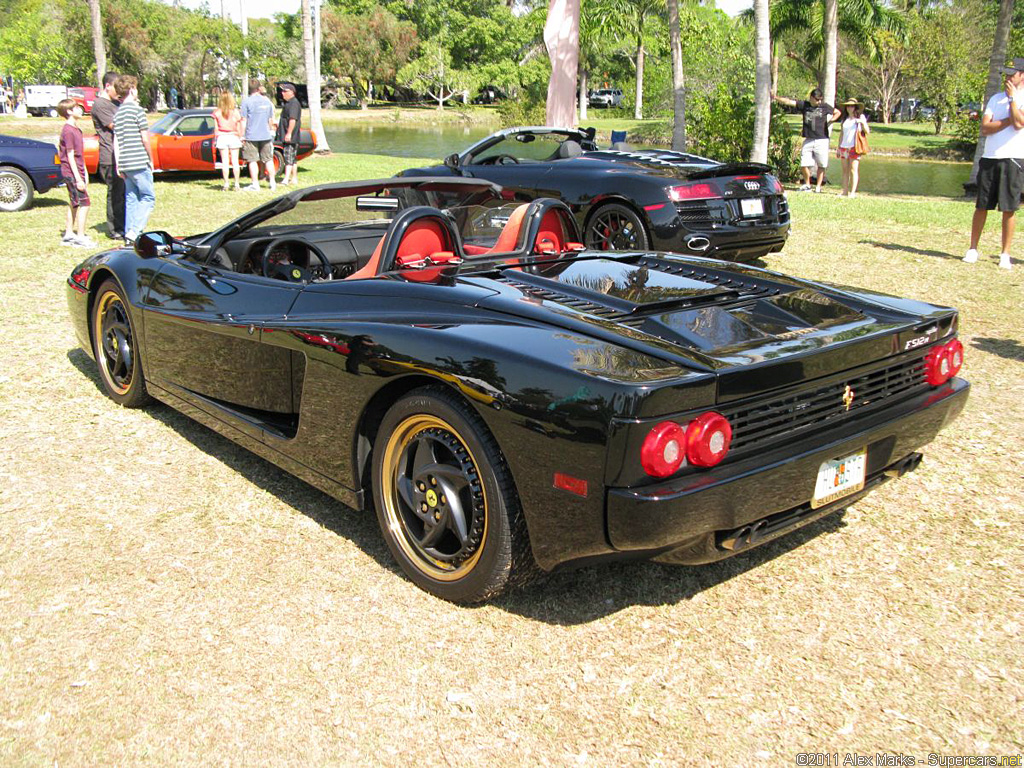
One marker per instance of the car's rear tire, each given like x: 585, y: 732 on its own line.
x: 16, y: 189
x: 615, y: 227
x: 115, y: 346
x: 445, y: 499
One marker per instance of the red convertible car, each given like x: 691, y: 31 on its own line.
x: 184, y: 140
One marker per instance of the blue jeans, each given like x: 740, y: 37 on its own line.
x: 138, y: 201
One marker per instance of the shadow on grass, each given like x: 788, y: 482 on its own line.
x: 1011, y: 349
x: 358, y: 527
x: 50, y: 202
x: 910, y: 249
x: 566, y: 597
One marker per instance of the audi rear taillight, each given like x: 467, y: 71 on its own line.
x: 944, y: 362
x: 701, y: 191
x: 703, y: 442
x: 776, y: 185
x: 663, y: 451
x: 707, y: 439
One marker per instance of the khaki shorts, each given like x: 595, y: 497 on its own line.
x: 262, y: 151
x: 814, y: 153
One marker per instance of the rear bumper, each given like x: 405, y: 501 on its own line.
x: 727, y: 243
x: 697, y: 509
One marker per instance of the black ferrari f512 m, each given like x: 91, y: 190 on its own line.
x: 626, y: 199
x: 508, y: 401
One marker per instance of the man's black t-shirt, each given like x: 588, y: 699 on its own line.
x: 290, y: 110
x: 816, y: 119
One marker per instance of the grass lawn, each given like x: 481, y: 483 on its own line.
x: 166, y: 596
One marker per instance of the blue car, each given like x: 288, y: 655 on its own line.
x: 27, y: 166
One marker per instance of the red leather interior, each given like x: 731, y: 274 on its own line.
x: 509, y: 237
x: 424, y: 237
x: 551, y: 235
x: 369, y: 269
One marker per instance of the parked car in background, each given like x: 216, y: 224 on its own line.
x: 84, y: 96
x: 489, y: 94
x: 42, y: 100
x: 627, y: 199
x: 606, y: 97
x: 523, y: 404
x: 27, y: 166
x: 185, y: 140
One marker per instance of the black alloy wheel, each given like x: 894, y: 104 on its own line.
x: 16, y: 189
x: 615, y: 227
x: 114, y: 346
x: 445, y: 499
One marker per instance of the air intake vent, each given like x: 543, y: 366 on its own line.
x: 749, y: 289
x: 580, y: 305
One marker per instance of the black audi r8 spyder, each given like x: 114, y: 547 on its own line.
x: 626, y: 199
x: 508, y: 401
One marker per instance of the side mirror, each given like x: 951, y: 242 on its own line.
x: 453, y: 161
x: 150, y: 245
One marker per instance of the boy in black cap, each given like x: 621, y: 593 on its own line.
x: 1001, y: 169
x: 288, y: 128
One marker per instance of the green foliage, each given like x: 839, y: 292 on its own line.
x: 47, y: 42
x: 939, y: 62
x: 366, y: 48
x: 721, y: 126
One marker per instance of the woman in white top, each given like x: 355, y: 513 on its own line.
x: 853, y: 120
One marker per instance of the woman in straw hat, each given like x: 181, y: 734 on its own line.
x: 853, y: 121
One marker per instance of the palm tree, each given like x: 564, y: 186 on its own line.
x: 762, y: 83
x: 855, y: 19
x: 591, y: 35
x: 631, y: 17
x: 830, y: 34
x: 678, y: 79
x: 1002, y: 38
x: 99, y: 51
x: 313, y: 77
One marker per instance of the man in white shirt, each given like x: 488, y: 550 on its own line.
x: 1001, y: 170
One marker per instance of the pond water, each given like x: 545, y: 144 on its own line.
x: 878, y: 175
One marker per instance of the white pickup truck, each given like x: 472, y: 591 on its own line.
x: 42, y: 100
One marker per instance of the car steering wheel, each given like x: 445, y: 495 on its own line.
x: 506, y: 160
x: 290, y: 271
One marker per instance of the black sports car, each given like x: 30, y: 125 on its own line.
x: 626, y: 199
x: 507, y: 401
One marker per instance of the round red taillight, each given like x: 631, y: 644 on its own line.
x: 955, y: 353
x: 664, y: 449
x: 937, y: 366
x: 707, y: 439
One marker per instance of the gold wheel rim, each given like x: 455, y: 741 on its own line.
x: 106, y: 301
x: 398, y: 442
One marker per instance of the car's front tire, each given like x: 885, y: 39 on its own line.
x: 445, y: 499
x: 115, y: 347
x: 16, y: 189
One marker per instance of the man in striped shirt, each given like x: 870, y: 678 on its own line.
x: 132, y: 157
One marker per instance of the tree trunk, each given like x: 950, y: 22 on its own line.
x: 762, y: 82
x: 309, y: 48
x: 830, y: 33
x: 678, y: 79
x: 775, y: 66
x: 638, y: 111
x: 583, y: 94
x: 996, y: 60
x: 97, y: 41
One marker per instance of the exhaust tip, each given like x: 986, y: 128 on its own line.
x: 904, y: 465
x: 698, y: 243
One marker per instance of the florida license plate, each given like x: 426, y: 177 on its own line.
x: 839, y: 477
x: 753, y: 206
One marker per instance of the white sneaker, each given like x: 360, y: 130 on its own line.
x: 1004, y: 261
x: 972, y: 256
x: 67, y: 240
x: 82, y: 241
x: 251, y: 188
x: 805, y: 187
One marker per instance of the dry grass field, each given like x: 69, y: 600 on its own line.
x: 167, y: 597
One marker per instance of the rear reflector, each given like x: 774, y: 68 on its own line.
x: 663, y: 450
x: 570, y: 484
x: 707, y: 439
